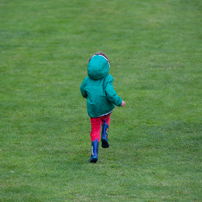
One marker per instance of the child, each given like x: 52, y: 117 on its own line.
x: 97, y: 87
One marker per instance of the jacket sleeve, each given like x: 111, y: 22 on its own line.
x: 82, y: 88
x: 111, y: 93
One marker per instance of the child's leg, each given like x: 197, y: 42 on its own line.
x: 106, y: 119
x: 105, y: 127
x: 95, y: 129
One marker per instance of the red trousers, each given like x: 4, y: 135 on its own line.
x: 96, y: 124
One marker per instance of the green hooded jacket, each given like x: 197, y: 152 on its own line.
x: 98, y: 88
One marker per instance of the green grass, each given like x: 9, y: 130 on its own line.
x: 155, y: 140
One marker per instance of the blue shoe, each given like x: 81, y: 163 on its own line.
x: 94, y: 152
x: 104, y: 139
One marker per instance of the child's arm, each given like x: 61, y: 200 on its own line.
x: 111, y: 93
x: 83, y: 92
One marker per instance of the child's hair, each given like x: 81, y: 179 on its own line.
x: 100, y: 54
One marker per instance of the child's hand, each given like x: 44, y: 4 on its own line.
x: 123, y: 104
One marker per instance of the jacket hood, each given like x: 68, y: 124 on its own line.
x: 98, y: 67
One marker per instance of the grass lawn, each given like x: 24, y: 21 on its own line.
x: 155, y: 50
